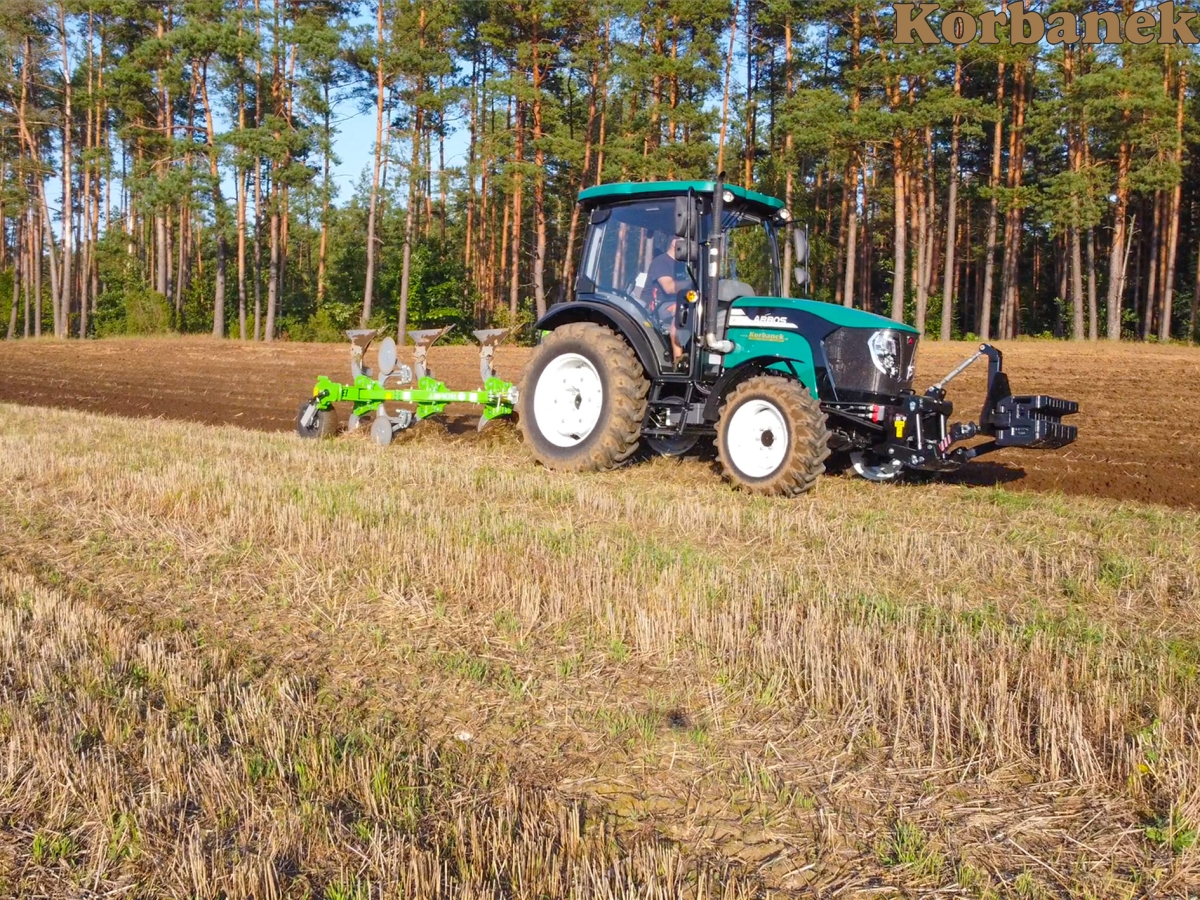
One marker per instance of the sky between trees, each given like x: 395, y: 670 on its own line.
x: 191, y: 148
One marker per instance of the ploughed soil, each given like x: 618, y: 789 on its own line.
x: 1137, y: 402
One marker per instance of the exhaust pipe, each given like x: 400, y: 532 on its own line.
x: 716, y: 248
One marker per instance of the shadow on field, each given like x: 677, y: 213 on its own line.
x: 984, y: 474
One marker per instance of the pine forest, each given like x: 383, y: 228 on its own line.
x: 166, y: 166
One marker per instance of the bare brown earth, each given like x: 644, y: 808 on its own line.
x: 1137, y: 403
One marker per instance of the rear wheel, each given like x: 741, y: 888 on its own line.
x: 582, y: 399
x: 771, y: 437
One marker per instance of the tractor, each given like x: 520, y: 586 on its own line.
x: 677, y: 331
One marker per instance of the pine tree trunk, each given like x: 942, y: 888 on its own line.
x: 900, y: 251
x: 566, y: 286
x: 749, y: 138
x: 603, y: 105
x: 37, y: 270
x: 68, y: 209
x: 725, y: 99
x: 951, y: 271
x: 539, y: 187
x: 1168, y: 292
x: 273, y: 266
x: 16, y: 280
x: 52, y: 253
x: 326, y: 149
x: 1191, y: 335
x: 409, y: 214
x: 258, y: 169
x: 468, y: 241
x: 85, y: 219
x: 219, y: 211
x: 929, y: 193
x: 369, y: 285
x: 1150, y: 302
x: 789, y: 190
x: 26, y: 267
x: 1010, y: 303
x: 1117, y: 253
x: 843, y: 224
x: 519, y: 158
x: 989, y: 267
x: 920, y: 222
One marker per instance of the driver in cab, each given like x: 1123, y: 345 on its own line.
x: 666, y: 277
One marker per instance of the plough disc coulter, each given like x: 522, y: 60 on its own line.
x: 395, y: 382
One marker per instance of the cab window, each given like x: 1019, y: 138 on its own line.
x: 623, y: 241
x: 751, y: 253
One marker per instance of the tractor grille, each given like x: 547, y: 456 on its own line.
x: 871, y: 360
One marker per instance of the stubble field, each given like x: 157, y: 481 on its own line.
x: 239, y: 664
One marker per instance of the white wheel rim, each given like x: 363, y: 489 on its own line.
x: 757, y: 438
x: 567, y: 400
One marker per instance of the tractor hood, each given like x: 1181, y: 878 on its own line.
x: 834, y: 313
x: 848, y: 353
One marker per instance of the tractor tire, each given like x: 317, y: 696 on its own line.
x: 582, y: 399
x: 771, y: 437
x: 323, y: 425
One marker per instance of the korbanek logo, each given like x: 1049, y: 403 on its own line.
x: 1166, y: 23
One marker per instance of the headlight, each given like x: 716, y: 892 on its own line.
x: 885, y: 352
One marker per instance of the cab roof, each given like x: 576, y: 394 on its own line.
x: 629, y: 189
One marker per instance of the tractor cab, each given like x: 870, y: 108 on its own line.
x: 642, y: 255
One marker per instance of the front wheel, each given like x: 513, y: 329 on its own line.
x: 582, y: 399
x: 771, y: 437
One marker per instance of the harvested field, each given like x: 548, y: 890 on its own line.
x: 1134, y: 400
x: 241, y: 664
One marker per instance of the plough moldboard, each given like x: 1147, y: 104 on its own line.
x: 395, y: 382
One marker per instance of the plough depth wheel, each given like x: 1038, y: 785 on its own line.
x: 312, y: 422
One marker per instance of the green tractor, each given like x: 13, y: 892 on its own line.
x: 677, y: 331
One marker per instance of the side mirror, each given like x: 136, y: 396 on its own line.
x: 800, y: 242
x: 687, y: 251
x: 801, y: 275
x: 685, y: 217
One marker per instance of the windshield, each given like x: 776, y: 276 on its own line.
x: 752, y: 255
x: 630, y: 242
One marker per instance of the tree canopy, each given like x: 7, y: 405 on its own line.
x: 167, y: 165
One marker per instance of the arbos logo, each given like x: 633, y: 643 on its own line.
x: 1170, y: 25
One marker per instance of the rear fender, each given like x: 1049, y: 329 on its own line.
x: 640, y: 334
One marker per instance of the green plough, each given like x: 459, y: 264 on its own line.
x: 393, y: 382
